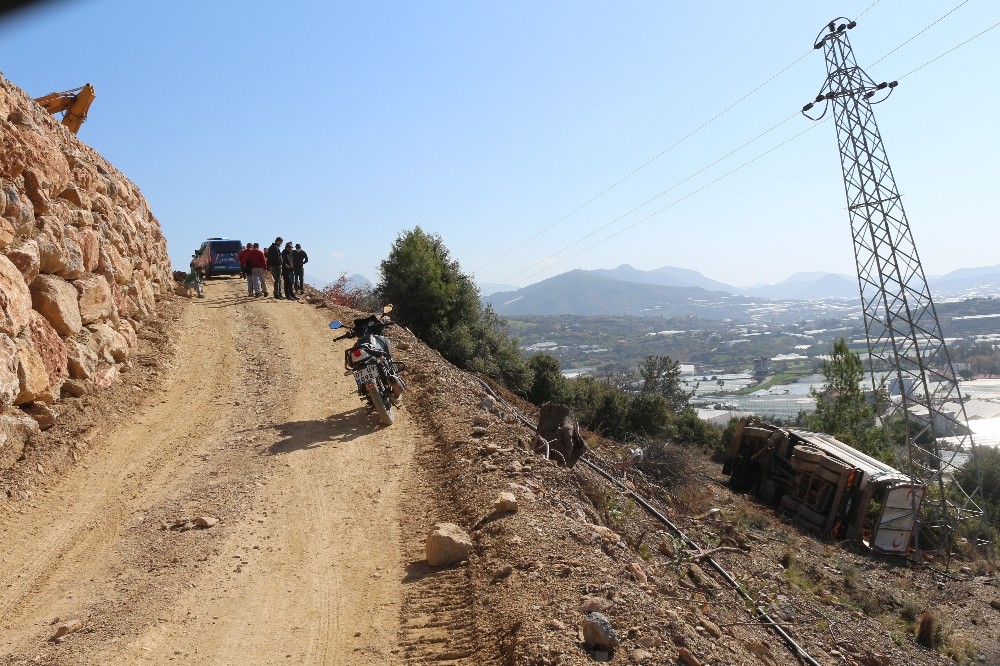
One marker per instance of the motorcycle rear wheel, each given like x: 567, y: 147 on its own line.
x: 385, y: 410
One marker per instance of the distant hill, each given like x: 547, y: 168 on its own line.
x: 586, y: 293
x: 808, y: 286
x: 799, y: 286
x: 314, y: 281
x: 672, y: 291
x: 668, y: 276
x: 356, y: 281
x: 488, y: 288
x: 982, y: 281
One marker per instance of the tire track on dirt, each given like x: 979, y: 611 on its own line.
x: 62, y: 547
x: 319, y: 570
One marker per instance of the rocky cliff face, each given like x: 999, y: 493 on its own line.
x: 82, y: 261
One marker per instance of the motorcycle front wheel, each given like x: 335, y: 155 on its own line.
x: 384, y: 408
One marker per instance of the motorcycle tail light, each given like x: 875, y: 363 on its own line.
x: 356, y: 353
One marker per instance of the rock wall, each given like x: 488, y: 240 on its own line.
x: 82, y: 261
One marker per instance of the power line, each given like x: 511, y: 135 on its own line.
x: 620, y: 217
x: 866, y: 10
x: 648, y: 162
x: 651, y: 200
x: 677, y: 201
x: 954, y: 48
x: 925, y: 29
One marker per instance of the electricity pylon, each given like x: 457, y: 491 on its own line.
x: 917, y: 392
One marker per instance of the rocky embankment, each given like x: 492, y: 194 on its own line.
x: 82, y: 260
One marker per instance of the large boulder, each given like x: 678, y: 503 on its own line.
x: 57, y: 301
x: 81, y: 359
x: 32, y: 374
x: 110, y: 344
x: 96, y: 301
x: 10, y: 382
x: 49, y: 346
x: 15, y: 430
x: 24, y: 255
x: 15, y: 299
x: 447, y: 544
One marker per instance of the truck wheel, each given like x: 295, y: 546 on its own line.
x: 806, y: 525
x: 814, y: 517
x: 789, y: 505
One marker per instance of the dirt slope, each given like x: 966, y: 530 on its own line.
x: 238, y: 409
x: 256, y: 425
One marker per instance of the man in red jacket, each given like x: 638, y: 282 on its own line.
x: 242, y: 258
x: 256, y: 262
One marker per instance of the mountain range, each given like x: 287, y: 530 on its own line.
x: 673, y: 291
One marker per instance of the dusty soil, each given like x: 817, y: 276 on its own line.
x: 237, y: 409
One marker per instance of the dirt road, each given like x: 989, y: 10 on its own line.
x: 255, y: 424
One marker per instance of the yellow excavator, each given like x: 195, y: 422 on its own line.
x: 73, y: 104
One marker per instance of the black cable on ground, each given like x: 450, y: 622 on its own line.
x: 766, y: 619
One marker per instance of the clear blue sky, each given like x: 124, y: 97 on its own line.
x: 338, y: 125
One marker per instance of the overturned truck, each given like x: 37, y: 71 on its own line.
x: 824, y: 486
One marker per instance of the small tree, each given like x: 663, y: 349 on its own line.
x: 842, y: 409
x: 548, y: 383
x: 661, y: 376
x: 441, y: 305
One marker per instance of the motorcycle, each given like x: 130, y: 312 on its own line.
x: 370, y: 360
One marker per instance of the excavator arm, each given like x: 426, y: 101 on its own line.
x: 73, y: 104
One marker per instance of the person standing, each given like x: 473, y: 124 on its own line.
x: 299, y: 260
x: 286, y: 271
x: 193, y: 279
x: 242, y: 258
x: 256, y: 262
x: 274, y: 264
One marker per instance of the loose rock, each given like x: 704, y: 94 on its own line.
x: 447, y: 544
x: 598, y: 632
x: 505, y: 503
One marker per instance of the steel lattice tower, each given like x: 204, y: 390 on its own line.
x: 910, y: 368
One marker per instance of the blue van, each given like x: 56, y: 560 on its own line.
x: 218, y: 256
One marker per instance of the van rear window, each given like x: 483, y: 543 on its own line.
x: 226, y: 246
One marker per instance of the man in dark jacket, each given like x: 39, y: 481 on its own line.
x: 286, y: 272
x: 274, y: 265
x: 299, y: 259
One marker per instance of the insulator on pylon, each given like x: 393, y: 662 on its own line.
x: 893, y: 84
x: 852, y: 25
x: 819, y: 98
x: 869, y: 94
x: 842, y: 27
x: 807, y: 106
x: 881, y: 86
